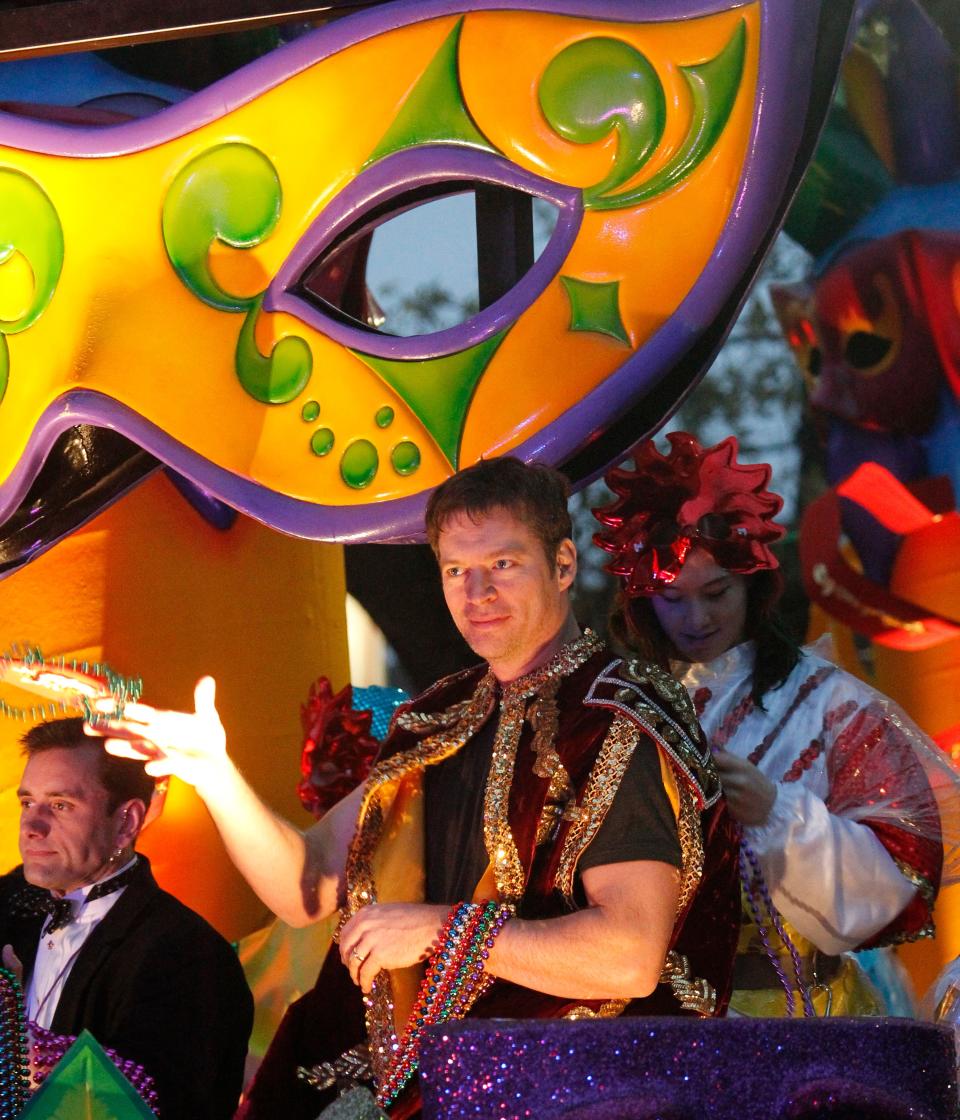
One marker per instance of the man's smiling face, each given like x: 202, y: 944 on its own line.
x: 507, y: 600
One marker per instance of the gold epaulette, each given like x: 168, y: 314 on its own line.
x: 659, y: 704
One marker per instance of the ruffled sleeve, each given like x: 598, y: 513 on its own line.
x: 861, y: 867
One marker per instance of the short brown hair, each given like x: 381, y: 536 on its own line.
x: 124, y: 779
x: 533, y: 492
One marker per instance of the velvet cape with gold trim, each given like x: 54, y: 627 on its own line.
x: 571, y: 734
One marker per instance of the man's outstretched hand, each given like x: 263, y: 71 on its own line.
x: 191, y: 745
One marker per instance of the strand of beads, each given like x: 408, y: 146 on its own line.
x: 48, y: 1048
x: 14, y: 1071
x: 755, y: 888
x: 67, y: 686
x: 454, y: 980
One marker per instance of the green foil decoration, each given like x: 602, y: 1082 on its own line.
x: 434, y: 111
x: 595, y: 307
x: 276, y: 379
x: 84, y: 1084
x: 439, y: 390
x: 230, y: 193
x: 586, y: 92
x: 29, y: 225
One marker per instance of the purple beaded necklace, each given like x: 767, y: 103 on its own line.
x: 757, y: 894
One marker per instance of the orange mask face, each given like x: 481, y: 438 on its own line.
x: 195, y: 280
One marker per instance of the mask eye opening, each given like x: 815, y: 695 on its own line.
x: 498, y: 232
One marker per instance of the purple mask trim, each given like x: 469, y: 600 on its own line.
x: 395, y: 175
x: 211, y: 509
x: 251, y: 81
x: 399, y: 520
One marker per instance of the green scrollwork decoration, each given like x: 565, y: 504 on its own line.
x: 601, y: 84
x: 230, y: 193
x: 30, y: 226
x: 279, y: 377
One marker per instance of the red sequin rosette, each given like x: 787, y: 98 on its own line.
x: 338, y: 749
x: 690, y: 497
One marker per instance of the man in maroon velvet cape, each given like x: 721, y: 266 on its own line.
x: 557, y: 778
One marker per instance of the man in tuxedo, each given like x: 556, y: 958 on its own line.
x: 102, y: 947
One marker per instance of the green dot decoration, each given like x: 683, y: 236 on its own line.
x: 310, y: 411
x: 405, y: 457
x: 384, y: 417
x: 595, y: 307
x: 359, y: 464
x: 321, y: 442
x: 438, y: 391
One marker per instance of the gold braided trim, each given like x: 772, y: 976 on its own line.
x: 498, y: 838
x: 669, y: 689
x: 604, y: 781
x: 690, y: 834
x: 609, y: 1010
x: 542, y: 684
x: 361, y: 888
x: 692, y: 993
x: 435, y: 748
x: 543, y: 716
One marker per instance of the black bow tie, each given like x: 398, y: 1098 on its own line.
x: 61, y: 909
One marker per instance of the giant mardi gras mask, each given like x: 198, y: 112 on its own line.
x: 171, y: 279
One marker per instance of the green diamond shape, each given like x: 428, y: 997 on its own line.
x: 85, y: 1084
x: 439, y: 390
x: 434, y: 111
x: 595, y: 307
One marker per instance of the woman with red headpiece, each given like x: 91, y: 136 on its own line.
x: 840, y: 797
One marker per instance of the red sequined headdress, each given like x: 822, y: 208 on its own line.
x: 692, y: 496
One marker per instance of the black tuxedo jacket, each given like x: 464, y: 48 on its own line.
x: 159, y: 985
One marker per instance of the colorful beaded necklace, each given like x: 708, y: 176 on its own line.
x: 14, y: 1070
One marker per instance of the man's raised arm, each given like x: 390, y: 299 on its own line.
x: 299, y: 875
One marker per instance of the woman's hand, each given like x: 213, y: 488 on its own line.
x: 749, y: 793
x: 191, y: 745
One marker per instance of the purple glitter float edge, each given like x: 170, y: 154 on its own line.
x: 788, y: 41
x: 721, y: 1069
